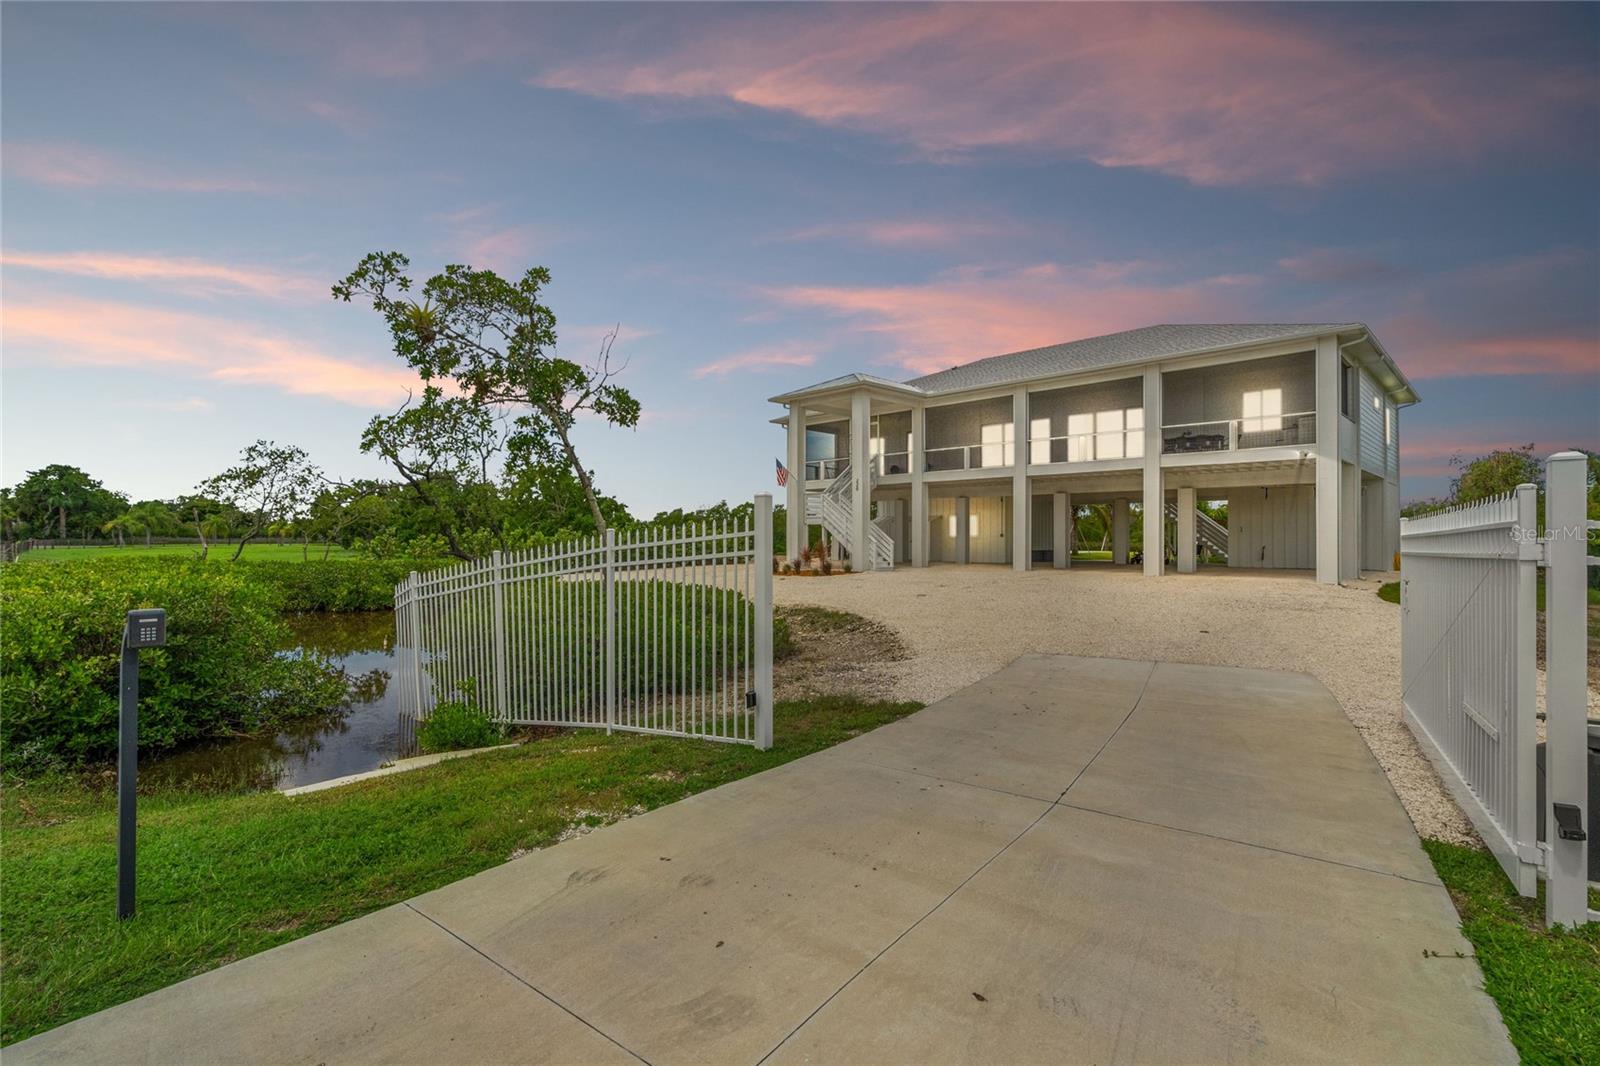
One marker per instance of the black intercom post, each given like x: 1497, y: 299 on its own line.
x: 145, y: 628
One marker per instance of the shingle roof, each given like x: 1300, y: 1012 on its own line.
x: 1114, y: 349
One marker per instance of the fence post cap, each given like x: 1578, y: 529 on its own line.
x: 1563, y: 456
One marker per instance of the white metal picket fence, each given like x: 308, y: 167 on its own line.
x: 656, y: 630
x: 1469, y: 586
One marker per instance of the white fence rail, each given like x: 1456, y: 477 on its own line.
x: 1467, y: 665
x: 1469, y: 587
x: 655, y: 630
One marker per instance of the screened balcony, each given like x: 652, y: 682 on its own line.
x: 827, y: 450
x: 1262, y: 403
x: 891, y: 442
x: 971, y: 436
x: 1085, y: 423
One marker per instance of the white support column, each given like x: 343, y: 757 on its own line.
x: 1349, y: 522
x: 1186, y: 503
x: 1566, y: 693
x: 1327, y: 459
x: 1021, y: 495
x: 1154, y: 495
x: 1119, y: 531
x: 861, y: 480
x: 919, y: 487
x: 963, y: 530
x: 1061, y: 549
x: 796, y: 533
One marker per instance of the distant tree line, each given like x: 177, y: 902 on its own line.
x: 1498, y: 473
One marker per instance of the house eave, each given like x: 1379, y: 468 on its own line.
x: 1355, y: 338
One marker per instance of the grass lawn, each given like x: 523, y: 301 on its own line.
x: 1547, y: 984
x: 222, y: 877
x: 1390, y: 591
x: 218, y: 553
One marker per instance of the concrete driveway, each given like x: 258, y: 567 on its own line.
x: 1074, y: 860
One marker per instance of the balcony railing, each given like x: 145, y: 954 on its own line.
x: 826, y: 469
x: 1240, y: 434
x: 970, y: 457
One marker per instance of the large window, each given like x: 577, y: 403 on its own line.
x: 998, y: 444
x: 1263, y: 411
x: 1117, y: 434
x: 1039, y: 440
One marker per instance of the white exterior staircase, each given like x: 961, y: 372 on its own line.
x: 833, y: 509
x: 1207, y: 530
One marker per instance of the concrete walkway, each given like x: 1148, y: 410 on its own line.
x: 1074, y: 860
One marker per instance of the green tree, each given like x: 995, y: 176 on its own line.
x: 445, y: 450
x: 496, y: 341
x: 1495, y: 474
x: 270, y: 483
x: 151, y: 518
x: 69, y: 499
x: 10, y: 514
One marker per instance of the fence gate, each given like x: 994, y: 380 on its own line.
x: 656, y: 630
x: 1469, y: 588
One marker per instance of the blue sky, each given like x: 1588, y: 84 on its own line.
x: 766, y: 196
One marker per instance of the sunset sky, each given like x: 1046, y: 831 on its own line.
x: 764, y: 197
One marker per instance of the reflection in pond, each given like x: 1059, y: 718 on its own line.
x: 362, y: 735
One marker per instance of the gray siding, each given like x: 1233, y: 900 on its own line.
x: 1057, y: 404
x: 1216, y: 393
x: 961, y: 423
x: 1373, y: 458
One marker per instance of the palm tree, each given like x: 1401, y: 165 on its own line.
x: 149, y: 517
x: 117, y: 525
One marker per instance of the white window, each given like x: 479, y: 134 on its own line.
x: 1263, y: 411
x: 1080, y: 438
x: 1135, y: 433
x: 1108, y: 438
x: 972, y: 525
x: 998, y: 444
x: 952, y: 527
x: 1039, y: 440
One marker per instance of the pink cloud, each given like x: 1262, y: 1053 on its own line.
x: 1214, y: 95
x: 1498, y: 317
x: 79, y: 166
x: 1432, y: 353
x: 506, y: 249
x: 757, y: 359
x: 193, y: 276
x: 75, y: 332
x: 903, y: 233
x: 969, y: 314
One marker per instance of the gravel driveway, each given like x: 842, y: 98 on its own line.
x: 963, y: 623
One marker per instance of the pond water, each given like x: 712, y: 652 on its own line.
x: 363, y: 735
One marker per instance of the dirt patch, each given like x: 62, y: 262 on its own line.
x: 832, y: 652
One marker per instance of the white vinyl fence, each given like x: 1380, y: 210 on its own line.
x: 1469, y: 586
x: 654, y: 630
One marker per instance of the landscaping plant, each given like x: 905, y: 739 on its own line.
x: 458, y: 725
x: 220, y: 673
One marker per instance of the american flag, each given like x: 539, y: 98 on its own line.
x: 783, y: 474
